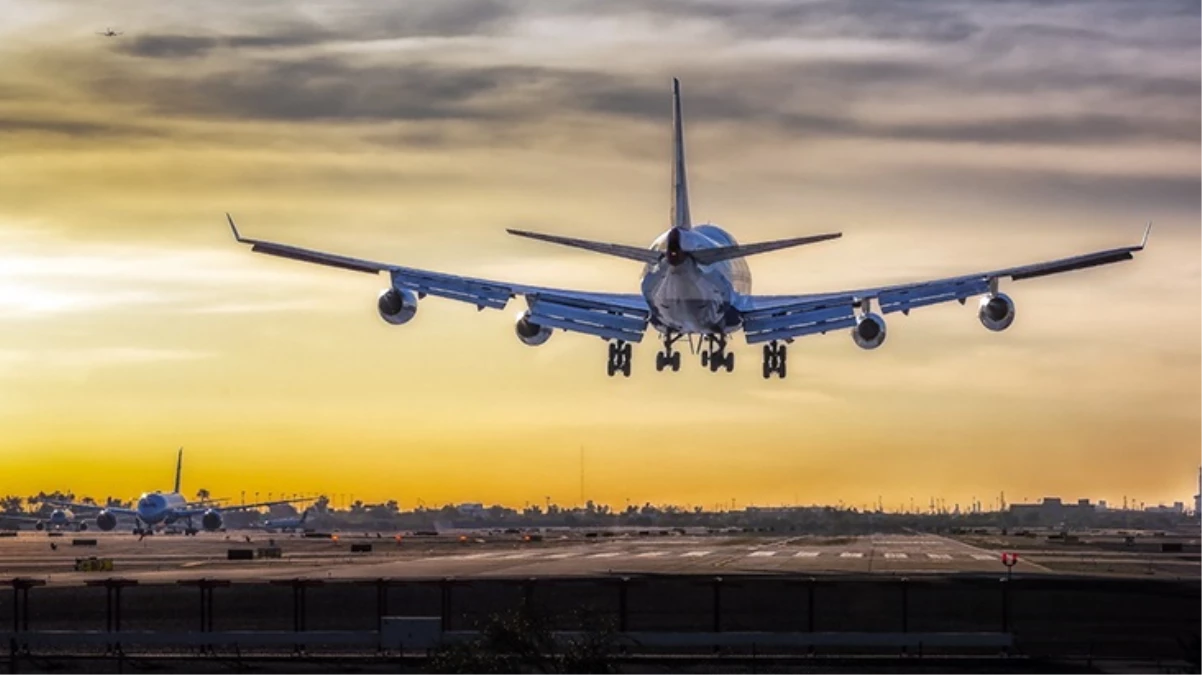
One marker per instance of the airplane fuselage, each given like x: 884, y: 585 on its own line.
x: 159, y: 507
x: 687, y: 297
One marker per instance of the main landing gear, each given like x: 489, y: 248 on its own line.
x: 774, y: 359
x: 668, y: 358
x: 619, y: 358
x: 715, y: 356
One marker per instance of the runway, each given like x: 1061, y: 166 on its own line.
x: 167, y: 559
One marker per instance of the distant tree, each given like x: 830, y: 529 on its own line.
x: 202, y: 495
x: 12, y: 504
x: 322, y: 504
x: 87, y: 500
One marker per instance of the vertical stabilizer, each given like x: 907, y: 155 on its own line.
x: 680, y: 182
x: 179, y: 467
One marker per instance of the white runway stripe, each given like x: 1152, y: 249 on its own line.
x: 560, y: 556
x: 762, y: 554
x: 806, y: 554
x: 695, y: 554
x: 652, y: 554
x: 517, y: 556
x: 609, y: 554
x: 896, y: 555
x: 851, y: 554
x: 939, y: 556
x: 985, y: 556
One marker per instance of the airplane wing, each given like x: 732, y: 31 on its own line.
x: 611, y: 316
x: 114, y: 511
x: 784, y: 317
x: 198, y: 508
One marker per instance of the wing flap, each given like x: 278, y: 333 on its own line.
x: 473, y: 291
x: 599, y: 322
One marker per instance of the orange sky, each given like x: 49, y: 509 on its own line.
x: 940, y: 139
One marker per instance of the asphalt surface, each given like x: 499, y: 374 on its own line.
x: 169, y: 558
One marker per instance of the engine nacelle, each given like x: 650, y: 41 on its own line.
x: 211, y: 520
x: 996, y: 312
x: 531, y: 333
x: 869, y: 333
x: 39, y: 526
x: 83, y: 527
x: 397, y: 306
x: 106, y: 521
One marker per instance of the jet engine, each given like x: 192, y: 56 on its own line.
x: 531, y: 333
x: 106, y: 521
x: 83, y: 527
x: 39, y: 526
x: 869, y: 333
x: 997, y: 312
x: 397, y: 306
x: 211, y: 520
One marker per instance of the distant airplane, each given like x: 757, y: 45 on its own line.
x: 695, y: 283
x: 285, y: 524
x: 60, y: 519
x: 109, y: 32
x: 167, y: 508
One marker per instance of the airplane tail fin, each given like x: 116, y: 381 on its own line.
x: 179, y: 468
x: 304, y: 515
x: 709, y: 256
x: 680, y: 182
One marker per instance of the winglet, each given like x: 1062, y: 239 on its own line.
x: 237, y: 237
x: 1144, y: 242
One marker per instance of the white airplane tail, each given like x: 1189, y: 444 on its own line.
x: 179, y: 468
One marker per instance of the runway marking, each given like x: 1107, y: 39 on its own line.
x: 695, y: 554
x: 652, y: 554
x: 939, y: 556
x: 516, y: 556
x: 561, y: 556
x: 851, y: 554
x: 896, y: 555
x: 610, y: 554
x: 762, y: 554
x: 984, y: 556
x: 474, y: 556
x: 806, y: 554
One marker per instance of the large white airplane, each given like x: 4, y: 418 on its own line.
x: 695, y: 283
x: 168, y: 508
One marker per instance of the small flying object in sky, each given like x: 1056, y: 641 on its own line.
x: 109, y: 32
x: 695, y: 285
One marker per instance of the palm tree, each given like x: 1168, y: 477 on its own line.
x: 202, y: 495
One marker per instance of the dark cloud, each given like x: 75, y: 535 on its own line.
x: 167, y: 46
x: 72, y: 128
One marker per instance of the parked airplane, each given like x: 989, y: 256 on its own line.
x: 167, y: 508
x: 695, y: 283
x: 285, y: 524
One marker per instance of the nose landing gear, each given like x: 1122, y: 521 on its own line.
x: 774, y: 359
x: 620, y: 352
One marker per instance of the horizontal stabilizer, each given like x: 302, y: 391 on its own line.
x: 710, y: 256
x: 645, y: 255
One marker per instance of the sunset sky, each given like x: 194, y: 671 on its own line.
x: 939, y: 137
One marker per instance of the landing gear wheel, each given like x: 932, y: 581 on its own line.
x: 705, y: 358
x: 774, y: 359
x: 660, y: 361
x: 619, y: 358
x: 675, y: 362
x: 730, y: 362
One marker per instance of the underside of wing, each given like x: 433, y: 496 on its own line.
x: 783, y: 317
x: 606, y: 315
